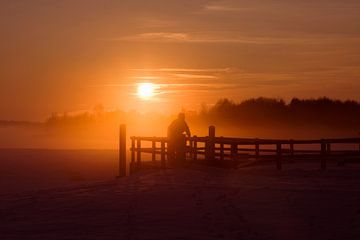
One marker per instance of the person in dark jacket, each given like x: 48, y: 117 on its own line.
x: 176, y: 139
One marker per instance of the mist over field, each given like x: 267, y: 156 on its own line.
x: 253, y: 118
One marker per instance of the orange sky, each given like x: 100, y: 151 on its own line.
x: 71, y: 55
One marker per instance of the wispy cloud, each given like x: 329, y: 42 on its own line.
x: 112, y: 85
x: 228, y: 6
x: 181, y: 69
x: 194, y: 76
x: 176, y: 82
x: 195, y: 87
x: 229, y: 37
x: 180, y: 73
x: 147, y: 78
x: 156, y: 37
x: 163, y: 89
x: 221, y: 7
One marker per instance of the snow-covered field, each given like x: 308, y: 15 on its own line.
x: 74, y: 195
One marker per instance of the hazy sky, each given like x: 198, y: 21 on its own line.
x: 70, y: 55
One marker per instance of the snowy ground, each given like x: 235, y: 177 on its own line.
x: 299, y: 202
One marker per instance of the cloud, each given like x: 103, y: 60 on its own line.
x: 221, y: 7
x: 196, y: 87
x: 193, y: 82
x: 234, y: 37
x: 194, y: 76
x: 147, y: 78
x: 226, y: 76
x: 158, y: 74
x: 228, y: 6
x: 156, y: 37
x: 181, y: 69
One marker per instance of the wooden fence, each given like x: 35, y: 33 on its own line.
x: 218, y: 150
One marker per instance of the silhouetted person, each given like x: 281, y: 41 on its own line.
x: 177, y: 142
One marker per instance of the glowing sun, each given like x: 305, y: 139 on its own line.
x: 146, y: 90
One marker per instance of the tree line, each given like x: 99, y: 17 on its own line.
x: 256, y: 112
x: 261, y: 111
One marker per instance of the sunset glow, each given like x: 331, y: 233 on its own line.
x: 196, y: 52
x: 237, y: 118
x: 146, y: 90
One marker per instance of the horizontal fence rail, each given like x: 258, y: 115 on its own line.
x: 211, y: 149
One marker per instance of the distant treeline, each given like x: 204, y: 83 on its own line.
x: 259, y: 112
x: 97, y: 116
x: 323, y: 112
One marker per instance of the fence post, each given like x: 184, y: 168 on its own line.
x: 328, y: 148
x: 234, y: 150
x: 279, y: 156
x: 122, y: 151
x: 211, y: 144
x: 181, y: 155
x: 195, y: 148
x: 323, y: 154
x: 257, y: 149
x: 138, y: 153
x: 221, y: 149
x: 132, y: 163
x: 153, y: 157
x: 163, y: 164
x: 292, y: 149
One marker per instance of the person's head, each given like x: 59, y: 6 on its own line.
x: 181, y: 116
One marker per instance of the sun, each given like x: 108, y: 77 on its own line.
x: 146, y: 90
